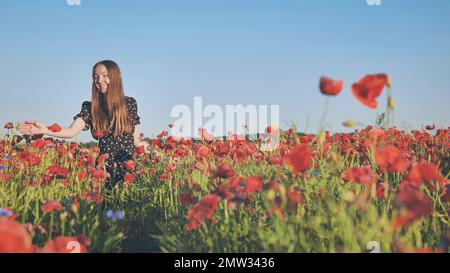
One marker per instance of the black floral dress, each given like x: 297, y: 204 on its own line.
x: 120, y: 148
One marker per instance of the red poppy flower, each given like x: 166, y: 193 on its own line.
x: 203, y: 210
x: 330, y: 87
x: 29, y: 159
x: 40, y: 143
x: 140, y: 150
x: 224, y: 171
x: 130, y: 165
x: 415, y: 204
x: 162, y: 134
x: 4, y: 177
x: 14, y: 237
x: 380, y: 191
x: 299, y: 158
x: 187, y: 198
x: 294, y: 198
x: 203, y: 151
x: 170, y: 167
x: 389, y: 159
x: 129, y: 178
x: 9, y: 125
x: 430, y: 127
x: 58, y: 171
x: 425, y: 172
x: 99, y: 134
x: 51, y: 205
x: 363, y: 175
x: 164, y: 176
x: 253, y: 184
x: 204, y: 135
x: 64, y: 244
x: 54, y: 128
x: 101, y: 159
x: 82, y: 175
x: 369, y: 88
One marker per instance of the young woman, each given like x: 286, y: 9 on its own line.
x: 111, y: 116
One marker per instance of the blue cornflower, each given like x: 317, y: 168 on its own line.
x: 316, y: 174
x: 3, y: 167
x: 5, y: 212
x: 114, y: 215
x: 7, y: 157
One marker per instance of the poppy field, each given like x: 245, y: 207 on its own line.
x: 324, y: 192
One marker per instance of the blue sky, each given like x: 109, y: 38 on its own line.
x: 228, y: 52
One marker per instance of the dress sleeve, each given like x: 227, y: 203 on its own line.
x: 133, y: 111
x: 85, y: 114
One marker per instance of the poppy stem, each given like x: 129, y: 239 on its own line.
x: 325, y: 112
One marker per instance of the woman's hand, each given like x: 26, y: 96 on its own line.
x: 151, y: 151
x: 32, y: 127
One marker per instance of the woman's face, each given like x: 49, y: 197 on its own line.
x: 101, y: 79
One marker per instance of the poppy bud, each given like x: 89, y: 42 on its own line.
x: 350, y: 123
x: 391, y: 103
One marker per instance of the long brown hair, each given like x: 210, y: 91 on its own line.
x: 113, y: 100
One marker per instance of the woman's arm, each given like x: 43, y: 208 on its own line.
x: 34, y: 127
x: 138, y: 140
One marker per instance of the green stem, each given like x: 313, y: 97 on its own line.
x: 325, y: 112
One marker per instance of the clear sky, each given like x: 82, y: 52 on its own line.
x: 228, y: 52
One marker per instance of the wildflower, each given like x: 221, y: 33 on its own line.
x: 5, y: 212
x: 64, y: 244
x: 299, y: 158
x: 389, y: 160
x: 129, y: 178
x: 51, y: 205
x: 101, y: 159
x: 425, y: 172
x: 3, y: 167
x: 58, y: 171
x: 415, y: 205
x: 253, y: 184
x: 140, y: 150
x: 98, y: 134
x: 54, y: 128
x: 224, y: 171
x: 4, y: 177
x: 363, y: 175
x: 129, y: 164
x: 114, y: 215
x: 28, y: 158
x: 381, y: 191
x: 330, y: 87
x: 294, y: 198
x: 9, y: 125
x: 164, y: 176
x: 187, y: 198
x: 14, y: 237
x: 162, y: 134
x: 369, y: 88
x: 203, y: 151
x: 170, y: 168
x: 430, y: 127
x: 204, y: 135
x: 203, y: 210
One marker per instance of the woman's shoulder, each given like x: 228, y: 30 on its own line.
x: 86, y: 104
x: 130, y: 99
x: 131, y: 102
